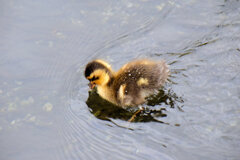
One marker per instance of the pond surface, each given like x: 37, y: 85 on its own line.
x: 46, y: 111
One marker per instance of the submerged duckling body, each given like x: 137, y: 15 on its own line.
x: 131, y: 84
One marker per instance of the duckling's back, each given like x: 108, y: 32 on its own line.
x: 138, y: 79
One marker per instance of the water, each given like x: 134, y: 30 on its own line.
x: 45, y: 46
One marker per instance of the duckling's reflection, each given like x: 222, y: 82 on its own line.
x: 105, y: 110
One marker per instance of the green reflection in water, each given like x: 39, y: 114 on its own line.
x: 154, y: 109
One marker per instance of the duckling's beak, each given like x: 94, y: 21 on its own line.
x: 91, y: 85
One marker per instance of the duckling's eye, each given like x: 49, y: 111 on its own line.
x: 94, y: 78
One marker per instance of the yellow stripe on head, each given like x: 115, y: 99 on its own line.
x: 99, y: 77
x: 103, y: 63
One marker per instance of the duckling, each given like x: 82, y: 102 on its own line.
x: 129, y: 86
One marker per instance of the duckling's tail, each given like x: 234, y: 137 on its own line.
x: 163, y: 72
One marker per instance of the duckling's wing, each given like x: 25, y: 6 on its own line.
x: 137, y: 79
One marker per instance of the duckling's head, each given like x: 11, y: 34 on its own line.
x: 99, y: 73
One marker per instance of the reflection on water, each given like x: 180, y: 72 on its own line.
x: 105, y: 110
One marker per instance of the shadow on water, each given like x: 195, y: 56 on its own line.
x: 155, y: 107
